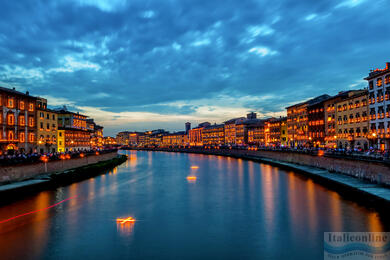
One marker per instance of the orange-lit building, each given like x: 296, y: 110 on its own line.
x: 256, y: 133
x: 213, y: 135
x: 316, y: 121
x: 175, y: 139
x: 108, y: 141
x: 298, y: 122
x: 277, y: 131
x: 231, y: 130
x: 353, y: 121
x: 75, y: 131
x: 96, y: 134
x: 134, y: 138
x: 195, y: 134
x: 122, y: 138
x: 18, y: 121
x: 330, y: 116
x: 75, y: 139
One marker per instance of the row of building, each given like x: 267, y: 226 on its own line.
x: 29, y: 126
x: 351, y: 119
x: 235, y: 132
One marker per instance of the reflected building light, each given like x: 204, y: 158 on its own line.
x: 125, y: 226
x: 336, y: 219
x: 312, y: 213
x: 191, y: 178
x: 194, y: 167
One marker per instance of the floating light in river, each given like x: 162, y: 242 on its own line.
x: 125, y: 220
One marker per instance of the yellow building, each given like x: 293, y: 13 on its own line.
x: 47, y: 127
x: 61, y: 141
x: 175, y: 139
x: 213, y: 135
x: 352, y: 122
x: 283, y: 132
x: 230, y: 130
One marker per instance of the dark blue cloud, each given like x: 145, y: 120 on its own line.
x: 148, y: 55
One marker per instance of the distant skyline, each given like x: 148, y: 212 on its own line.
x: 138, y: 65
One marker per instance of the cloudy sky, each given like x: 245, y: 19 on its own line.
x: 142, y: 64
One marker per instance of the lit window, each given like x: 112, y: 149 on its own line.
x: 379, y: 82
x: 22, y: 137
x: 21, y: 105
x: 10, y: 136
x: 22, y: 120
x: 31, y: 137
x: 10, y: 102
x: 31, y: 107
x: 11, y: 119
x: 31, y: 121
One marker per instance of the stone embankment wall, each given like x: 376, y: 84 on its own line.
x: 23, y: 172
x: 374, y: 171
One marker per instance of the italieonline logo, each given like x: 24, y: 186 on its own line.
x: 357, y: 245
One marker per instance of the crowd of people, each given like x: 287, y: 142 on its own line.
x: 28, y: 158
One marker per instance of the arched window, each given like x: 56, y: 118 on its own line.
x: 10, y: 136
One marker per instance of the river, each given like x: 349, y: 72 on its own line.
x: 229, y: 209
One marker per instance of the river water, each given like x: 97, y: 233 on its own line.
x: 234, y: 209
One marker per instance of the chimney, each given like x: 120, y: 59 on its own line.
x: 13, y: 88
x: 27, y: 93
x: 387, y: 65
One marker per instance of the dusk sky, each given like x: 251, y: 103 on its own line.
x: 137, y: 65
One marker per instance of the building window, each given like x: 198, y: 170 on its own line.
x: 10, y: 102
x: 31, y: 107
x: 21, y: 105
x: 31, y: 121
x: 22, y: 137
x: 22, y: 121
x: 47, y: 126
x: 10, y: 136
x: 387, y: 79
x: 41, y: 115
x: 31, y: 137
x: 379, y: 82
x: 371, y: 84
x: 11, y: 119
x: 47, y: 116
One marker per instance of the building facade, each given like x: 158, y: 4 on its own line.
x: 352, y: 122
x: 256, y: 133
x: 214, y: 135
x: 379, y: 107
x: 18, y: 121
x: 231, y: 131
x: 195, y: 134
x: 298, y: 122
x: 75, y: 131
x: 316, y: 122
x: 175, y: 139
x: 123, y: 138
x: 47, y: 128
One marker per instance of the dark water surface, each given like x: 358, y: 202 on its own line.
x: 235, y: 209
